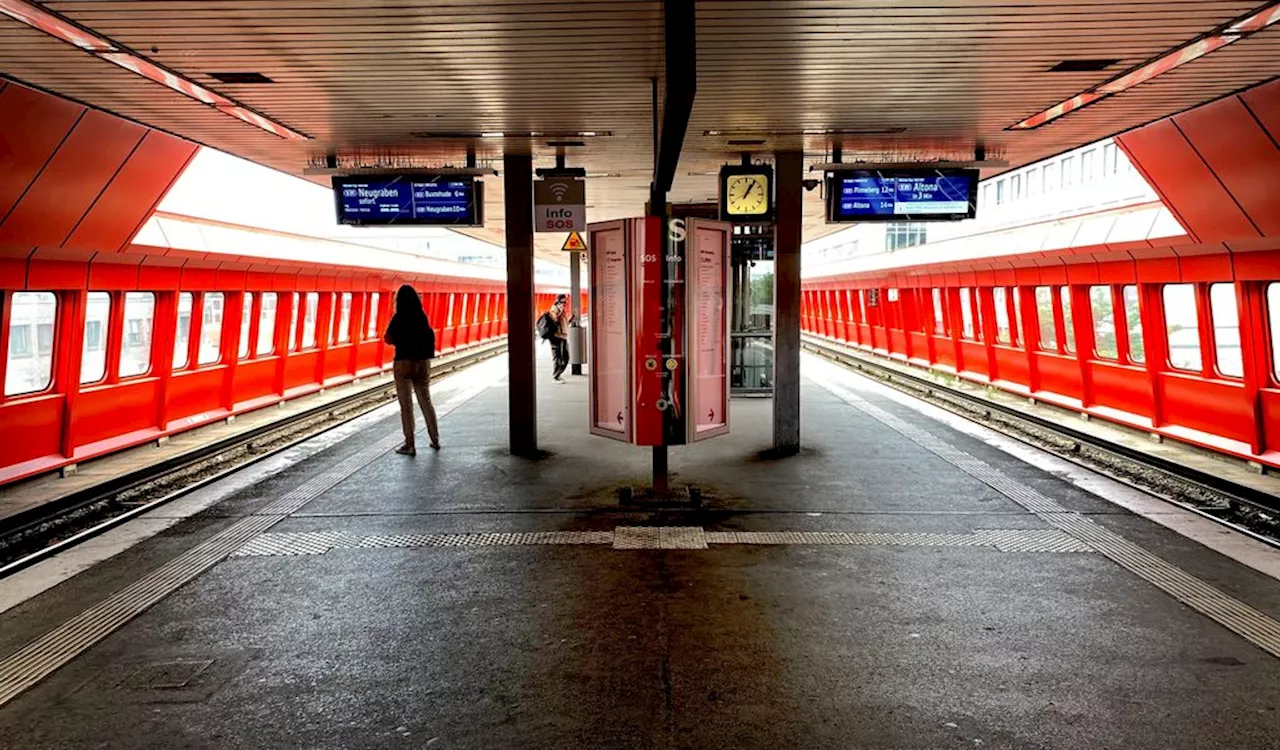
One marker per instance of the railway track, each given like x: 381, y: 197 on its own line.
x: 1248, y: 510
x: 38, y: 533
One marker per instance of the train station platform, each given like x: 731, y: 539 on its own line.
x: 909, y: 581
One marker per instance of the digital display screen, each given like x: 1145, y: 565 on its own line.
x: 902, y: 195
x: 439, y: 200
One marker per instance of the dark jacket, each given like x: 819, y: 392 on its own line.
x: 412, y: 337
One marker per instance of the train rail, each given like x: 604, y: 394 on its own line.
x: 1243, y: 508
x: 40, y: 532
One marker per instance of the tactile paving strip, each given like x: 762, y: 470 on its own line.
x: 1254, y: 626
x: 661, y: 537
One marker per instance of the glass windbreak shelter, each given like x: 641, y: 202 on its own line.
x: 751, y: 325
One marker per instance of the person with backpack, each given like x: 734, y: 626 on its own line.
x: 553, y: 326
x: 410, y: 333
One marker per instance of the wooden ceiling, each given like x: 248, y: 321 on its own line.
x: 914, y: 78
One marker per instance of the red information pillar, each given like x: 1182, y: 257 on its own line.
x: 659, y: 344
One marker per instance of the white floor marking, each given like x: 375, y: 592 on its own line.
x: 1238, y: 547
x: 448, y: 393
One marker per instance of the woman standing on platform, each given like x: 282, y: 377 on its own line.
x: 410, y: 333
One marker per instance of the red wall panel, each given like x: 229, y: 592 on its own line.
x: 1185, y: 183
x: 1264, y: 103
x: 133, y: 194
x: 109, y: 411
x: 32, y: 124
x: 38, y: 425
x: 1240, y: 154
x: 73, y: 179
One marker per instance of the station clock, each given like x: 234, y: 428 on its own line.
x: 746, y: 192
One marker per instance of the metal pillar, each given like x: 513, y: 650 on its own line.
x: 522, y: 397
x: 786, y: 295
x: 575, y: 303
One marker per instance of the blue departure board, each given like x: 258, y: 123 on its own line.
x: 902, y: 195
x: 408, y: 199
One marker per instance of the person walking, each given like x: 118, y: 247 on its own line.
x: 410, y: 333
x: 560, y: 336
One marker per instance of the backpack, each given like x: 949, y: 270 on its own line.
x: 546, y: 326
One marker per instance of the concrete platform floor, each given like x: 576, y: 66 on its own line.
x: 898, y: 585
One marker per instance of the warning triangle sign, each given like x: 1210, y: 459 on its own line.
x: 573, y: 243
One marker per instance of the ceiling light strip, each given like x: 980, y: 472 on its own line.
x: 1058, y: 110
x: 1234, y: 31
x: 1256, y: 22
x: 1166, y: 63
x: 105, y: 49
x: 41, y: 19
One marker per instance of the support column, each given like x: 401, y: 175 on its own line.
x: 575, y: 310
x: 786, y: 295
x: 517, y: 183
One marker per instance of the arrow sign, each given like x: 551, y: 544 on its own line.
x: 619, y: 417
x: 573, y: 243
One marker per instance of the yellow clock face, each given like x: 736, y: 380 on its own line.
x: 746, y: 194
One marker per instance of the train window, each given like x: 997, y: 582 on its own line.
x: 1273, y: 319
x: 182, y: 334
x: 139, y: 321
x: 939, y: 315
x: 1133, y: 324
x: 344, y: 318
x: 1226, y: 329
x: 266, y: 325
x: 1182, y: 327
x: 1044, y: 316
x: 293, y: 323
x: 862, y: 305
x: 1086, y: 165
x: 211, y: 329
x: 1104, y: 322
x: 246, y: 319
x: 1050, y: 177
x: 1016, y: 332
x: 1000, y: 296
x: 371, y: 316
x: 333, y: 319
x: 1033, y: 181
x: 966, y: 312
x: 309, y: 320
x: 1068, y: 333
x: 93, y: 354
x: 29, y: 364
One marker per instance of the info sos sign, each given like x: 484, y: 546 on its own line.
x: 559, y: 205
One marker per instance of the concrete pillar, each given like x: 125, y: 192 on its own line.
x: 786, y: 295
x: 517, y: 183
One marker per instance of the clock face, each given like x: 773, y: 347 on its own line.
x: 746, y: 194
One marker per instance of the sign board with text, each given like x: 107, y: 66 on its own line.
x: 707, y: 327
x: 560, y: 205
